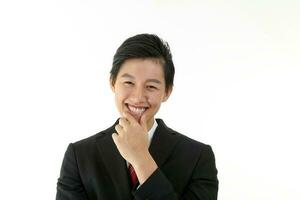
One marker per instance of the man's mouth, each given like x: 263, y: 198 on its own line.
x: 136, y: 111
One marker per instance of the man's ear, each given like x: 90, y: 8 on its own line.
x: 111, y: 84
x: 168, y: 93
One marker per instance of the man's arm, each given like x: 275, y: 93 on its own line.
x: 69, y: 185
x: 132, y: 143
x: 203, y: 184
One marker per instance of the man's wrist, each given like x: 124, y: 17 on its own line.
x: 144, y: 168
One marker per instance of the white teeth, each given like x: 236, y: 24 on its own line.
x: 136, y: 110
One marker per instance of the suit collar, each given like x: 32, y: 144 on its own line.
x: 163, y: 141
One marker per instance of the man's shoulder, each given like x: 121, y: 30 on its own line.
x: 190, y: 141
x: 182, y: 136
x: 184, y: 141
x: 190, y: 144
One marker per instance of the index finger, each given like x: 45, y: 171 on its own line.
x: 129, y: 117
x: 123, y: 122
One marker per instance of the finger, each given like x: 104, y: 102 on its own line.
x: 115, y: 138
x: 123, y: 122
x: 144, y: 121
x: 130, y: 118
x: 119, y: 129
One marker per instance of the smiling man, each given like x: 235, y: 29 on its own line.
x: 139, y: 157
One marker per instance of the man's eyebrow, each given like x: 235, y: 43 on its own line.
x: 127, y: 76
x: 153, y: 80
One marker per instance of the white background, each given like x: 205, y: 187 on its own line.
x: 237, y: 86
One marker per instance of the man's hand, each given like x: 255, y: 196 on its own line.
x: 132, y: 138
x: 132, y: 143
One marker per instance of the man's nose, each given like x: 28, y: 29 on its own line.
x: 139, y: 94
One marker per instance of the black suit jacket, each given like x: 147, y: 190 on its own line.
x: 93, y: 169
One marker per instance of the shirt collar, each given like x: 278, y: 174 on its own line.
x: 151, y: 131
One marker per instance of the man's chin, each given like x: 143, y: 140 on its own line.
x: 138, y: 118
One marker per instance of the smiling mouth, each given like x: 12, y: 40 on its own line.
x: 137, y: 112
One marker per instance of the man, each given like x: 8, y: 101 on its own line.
x: 139, y: 157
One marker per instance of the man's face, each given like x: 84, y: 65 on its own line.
x: 140, y: 88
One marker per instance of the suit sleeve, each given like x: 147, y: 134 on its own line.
x: 203, y: 184
x: 69, y: 184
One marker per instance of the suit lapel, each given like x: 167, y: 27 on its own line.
x: 115, y: 163
x: 163, y: 142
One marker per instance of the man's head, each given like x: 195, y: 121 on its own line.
x: 145, y: 46
x: 142, y: 76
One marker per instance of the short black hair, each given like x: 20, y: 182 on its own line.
x: 145, y: 46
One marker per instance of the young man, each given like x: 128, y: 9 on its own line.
x: 139, y: 157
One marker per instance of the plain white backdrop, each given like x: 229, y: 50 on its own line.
x: 237, y: 86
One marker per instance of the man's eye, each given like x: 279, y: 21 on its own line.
x: 151, y: 87
x: 128, y: 83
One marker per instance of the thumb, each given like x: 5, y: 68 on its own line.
x: 115, y: 138
x: 144, y: 121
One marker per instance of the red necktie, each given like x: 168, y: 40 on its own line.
x: 133, y: 177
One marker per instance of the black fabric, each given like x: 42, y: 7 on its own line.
x: 93, y: 169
